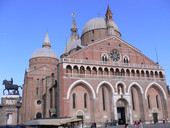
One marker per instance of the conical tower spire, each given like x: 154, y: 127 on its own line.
x: 46, y: 43
x: 109, y: 14
x: 74, y: 35
x: 74, y: 28
x: 109, y: 22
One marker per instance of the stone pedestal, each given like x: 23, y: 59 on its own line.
x: 8, y: 110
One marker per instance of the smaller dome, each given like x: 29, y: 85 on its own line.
x: 75, y: 44
x: 44, y: 52
x: 97, y: 23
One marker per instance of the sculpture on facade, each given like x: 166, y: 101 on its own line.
x: 10, y: 86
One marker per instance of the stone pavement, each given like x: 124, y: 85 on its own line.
x: 160, y: 125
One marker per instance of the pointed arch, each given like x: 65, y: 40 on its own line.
x: 105, y: 82
x: 159, y: 86
x: 124, y: 85
x: 80, y: 81
x: 81, y: 111
x: 134, y: 83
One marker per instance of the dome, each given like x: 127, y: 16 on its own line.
x: 76, y: 43
x: 44, y: 52
x: 97, y: 23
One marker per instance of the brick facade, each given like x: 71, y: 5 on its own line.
x: 88, y: 84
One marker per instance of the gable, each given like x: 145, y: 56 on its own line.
x: 42, y: 70
x: 95, y: 51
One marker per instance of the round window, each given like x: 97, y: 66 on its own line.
x: 39, y: 102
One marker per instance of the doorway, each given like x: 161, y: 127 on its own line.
x: 121, y: 115
x: 155, y: 117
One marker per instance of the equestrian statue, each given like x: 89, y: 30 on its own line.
x: 10, y: 86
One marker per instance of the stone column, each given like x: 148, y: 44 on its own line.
x: 130, y: 114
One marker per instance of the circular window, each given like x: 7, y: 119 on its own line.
x: 115, y: 56
x: 39, y: 102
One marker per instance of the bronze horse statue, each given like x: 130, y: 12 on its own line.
x: 10, y: 86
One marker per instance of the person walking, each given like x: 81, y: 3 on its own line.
x: 126, y: 126
x: 135, y: 124
x: 140, y: 124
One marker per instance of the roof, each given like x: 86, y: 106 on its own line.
x: 51, y: 122
x: 97, y: 23
x: 44, y: 52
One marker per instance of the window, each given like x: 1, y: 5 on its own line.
x: 104, y: 58
x: 157, y: 101
x: 126, y: 59
x: 149, y: 106
x: 37, y: 91
x: 103, y: 98
x: 39, y: 102
x: 38, y: 115
x: 85, y: 100
x: 132, y: 95
x: 74, y: 100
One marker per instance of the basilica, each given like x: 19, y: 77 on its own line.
x: 98, y: 77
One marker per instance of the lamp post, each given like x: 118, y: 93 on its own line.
x: 18, y: 105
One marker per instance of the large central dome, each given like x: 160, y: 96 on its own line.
x: 97, y: 23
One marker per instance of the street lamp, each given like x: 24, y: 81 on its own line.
x: 18, y: 105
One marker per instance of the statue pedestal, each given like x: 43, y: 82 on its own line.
x: 8, y: 110
x: 10, y: 100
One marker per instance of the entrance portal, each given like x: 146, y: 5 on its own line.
x: 121, y: 115
x: 155, y: 117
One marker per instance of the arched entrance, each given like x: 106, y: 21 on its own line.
x: 80, y: 115
x: 122, y: 111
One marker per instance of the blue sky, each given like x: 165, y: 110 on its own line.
x: 144, y: 24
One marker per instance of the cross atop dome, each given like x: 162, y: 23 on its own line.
x: 46, y: 43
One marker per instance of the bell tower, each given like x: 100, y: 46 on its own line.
x: 109, y: 22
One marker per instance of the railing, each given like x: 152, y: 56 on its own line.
x: 92, y: 62
x: 113, y: 77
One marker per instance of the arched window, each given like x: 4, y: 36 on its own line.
x: 100, y: 71
x: 160, y: 75
x: 94, y: 71
x: 104, y: 58
x: 117, y: 72
x: 149, y: 106
x: 85, y: 100
x: 157, y: 101
x: 38, y: 115
x: 37, y: 90
x: 106, y: 72
x: 132, y: 95
x: 88, y: 70
x: 75, y: 69
x: 142, y: 73
x: 122, y: 72
x: 82, y: 71
x: 137, y: 73
x: 147, y: 73
x: 133, y: 72
x: 74, y: 100
x: 103, y: 98
x: 111, y: 71
x: 127, y: 72
x: 68, y: 69
x: 156, y: 74
x: 151, y: 73
x: 126, y: 59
